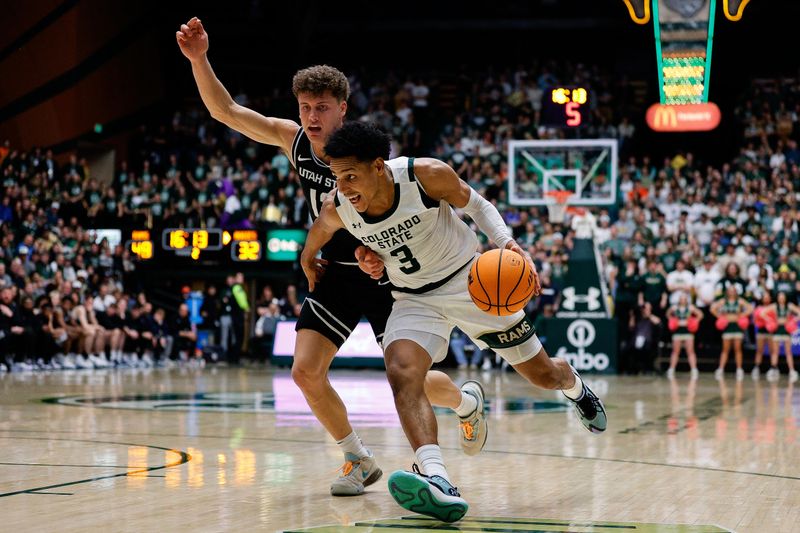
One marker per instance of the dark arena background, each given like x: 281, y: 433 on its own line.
x: 643, y: 153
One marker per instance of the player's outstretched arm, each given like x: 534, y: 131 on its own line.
x: 328, y: 222
x: 193, y: 42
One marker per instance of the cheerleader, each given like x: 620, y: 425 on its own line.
x: 731, y: 312
x: 785, y: 314
x: 764, y: 316
x: 683, y: 320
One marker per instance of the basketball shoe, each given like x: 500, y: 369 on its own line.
x: 589, y: 409
x: 432, y: 496
x: 357, y: 473
x: 473, y: 428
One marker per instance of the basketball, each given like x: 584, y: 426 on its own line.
x: 500, y: 282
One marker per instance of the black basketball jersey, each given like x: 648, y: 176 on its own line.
x: 317, y: 181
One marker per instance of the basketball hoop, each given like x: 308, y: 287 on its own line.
x: 557, y: 205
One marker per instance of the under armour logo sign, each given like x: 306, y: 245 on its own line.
x: 592, y: 299
x: 356, y: 225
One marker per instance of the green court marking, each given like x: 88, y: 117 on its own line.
x: 412, y: 524
x: 264, y: 402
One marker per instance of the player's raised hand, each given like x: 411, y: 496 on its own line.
x: 537, y: 284
x: 192, y: 39
x: 313, y: 268
x: 369, y: 262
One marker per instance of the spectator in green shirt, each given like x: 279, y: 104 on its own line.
x: 669, y: 257
x: 654, y: 289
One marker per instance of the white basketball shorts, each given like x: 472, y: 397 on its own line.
x: 429, y: 318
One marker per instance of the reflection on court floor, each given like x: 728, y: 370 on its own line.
x: 369, y: 402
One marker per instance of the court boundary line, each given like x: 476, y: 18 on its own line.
x: 59, y: 466
x: 184, y: 458
x: 405, y: 446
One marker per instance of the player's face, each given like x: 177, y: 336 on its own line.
x: 357, y: 180
x: 320, y: 115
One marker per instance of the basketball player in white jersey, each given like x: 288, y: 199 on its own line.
x: 330, y: 312
x: 403, y: 210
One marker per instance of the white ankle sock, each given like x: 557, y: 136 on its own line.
x: 576, y: 391
x: 429, y: 458
x: 467, y: 406
x: 352, y: 444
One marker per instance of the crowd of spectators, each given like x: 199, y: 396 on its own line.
x: 63, y: 307
x: 675, y: 218
x: 683, y: 227
x: 194, y: 171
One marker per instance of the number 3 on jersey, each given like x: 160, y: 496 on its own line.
x: 412, y: 266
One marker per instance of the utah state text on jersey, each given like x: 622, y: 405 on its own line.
x: 316, y: 178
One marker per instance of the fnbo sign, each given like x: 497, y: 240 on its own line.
x: 578, y: 342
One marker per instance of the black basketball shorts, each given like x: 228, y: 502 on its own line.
x: 340, y: 299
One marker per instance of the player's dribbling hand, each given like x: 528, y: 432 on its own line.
x: 313, y: 269
x: 537, y: 284
x: 369, y: 262
x: 192, y: 39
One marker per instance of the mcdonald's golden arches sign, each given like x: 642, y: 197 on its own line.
x: 688, y: 117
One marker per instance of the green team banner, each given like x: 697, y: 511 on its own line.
x: 583, y: 331
x: 284, y: 244
x: 583, y: 294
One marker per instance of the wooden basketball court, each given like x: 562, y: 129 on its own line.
x: 238, y: 450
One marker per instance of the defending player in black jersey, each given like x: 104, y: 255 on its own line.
x: 345, y: 294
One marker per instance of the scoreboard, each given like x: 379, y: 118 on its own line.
x: 213, y: 246
x: 565, y: 107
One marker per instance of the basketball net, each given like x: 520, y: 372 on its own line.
x: 557, y: 205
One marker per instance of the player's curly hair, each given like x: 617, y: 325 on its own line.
x: 318, y: 79
x: 361, y: 140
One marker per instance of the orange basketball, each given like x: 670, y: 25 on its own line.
x: 500, y: 282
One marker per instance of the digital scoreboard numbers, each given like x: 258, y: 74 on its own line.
x: 565, y: 106
x: 214, y: 246
x: 192, y: 242
x: 246, y: 246
x: 140, y: 245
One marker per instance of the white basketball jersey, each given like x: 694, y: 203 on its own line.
x: 420, y: 240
